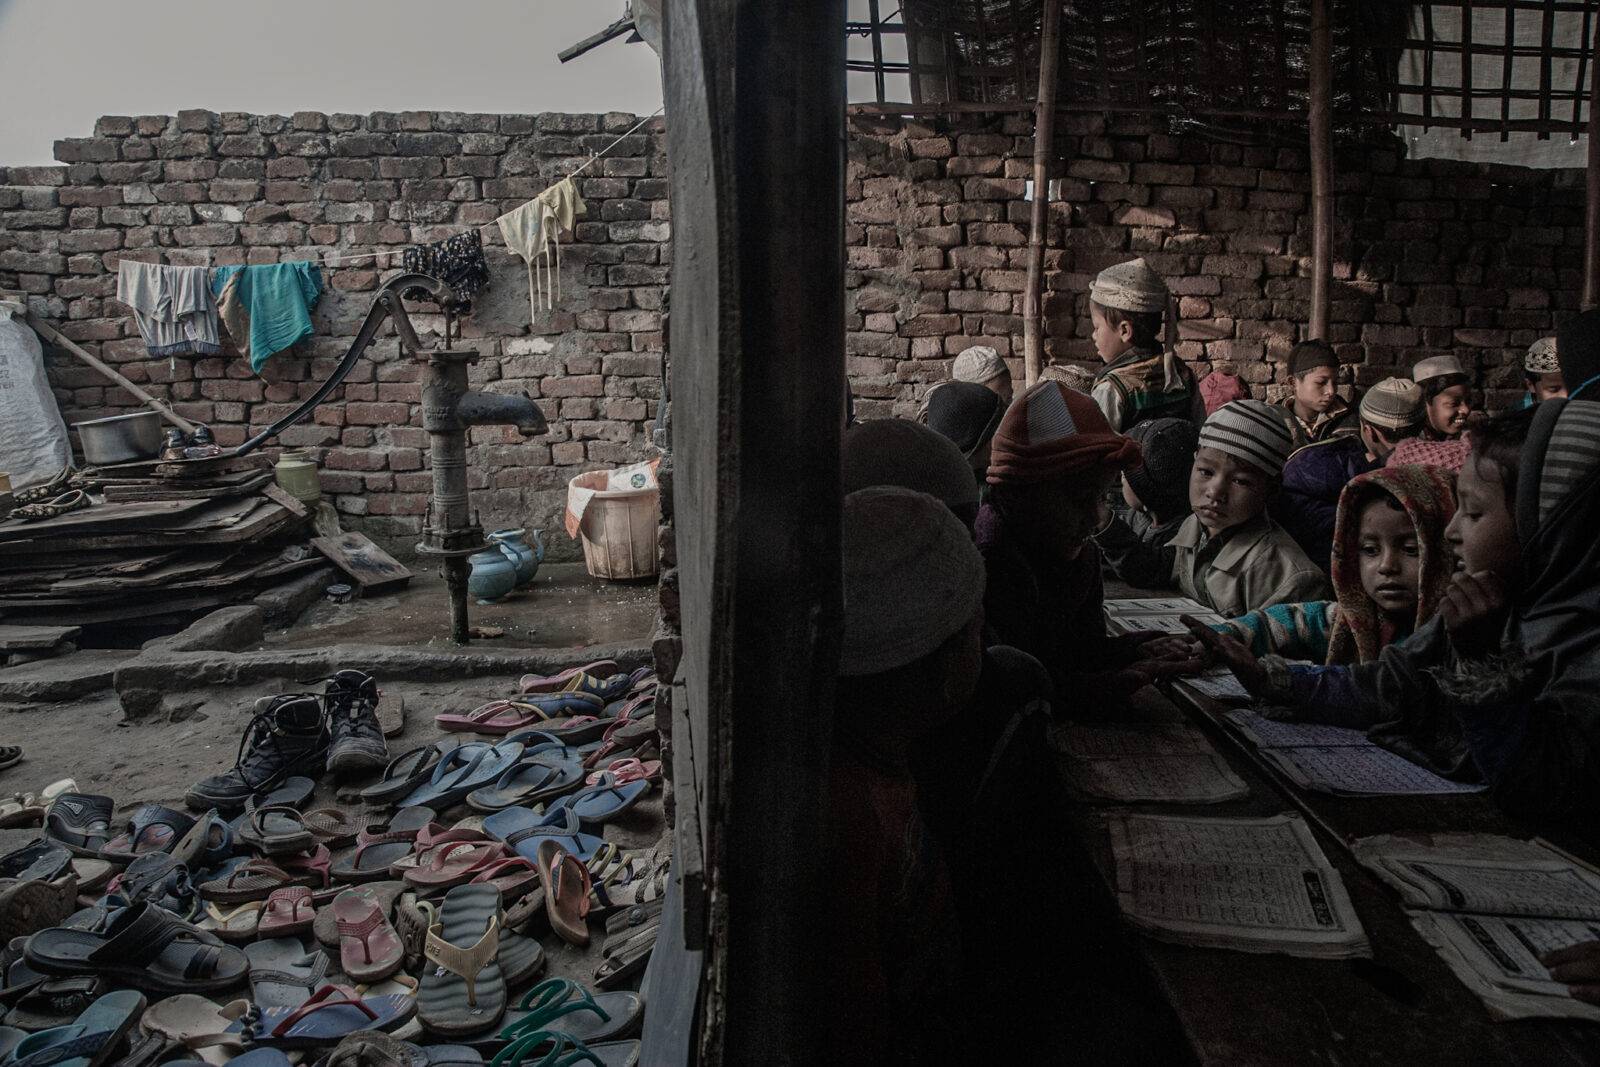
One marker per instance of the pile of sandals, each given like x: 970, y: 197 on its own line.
x: 409, y: 930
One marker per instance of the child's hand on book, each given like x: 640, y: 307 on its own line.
x: 1232, y: 653
x: 1579, y: 967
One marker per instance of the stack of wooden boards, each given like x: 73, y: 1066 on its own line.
x: 162, y: 539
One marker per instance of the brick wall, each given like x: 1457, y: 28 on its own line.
x: 206, y: 188
x: 1430, y: 256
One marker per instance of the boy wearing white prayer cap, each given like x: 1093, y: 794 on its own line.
x: 1142, y: 379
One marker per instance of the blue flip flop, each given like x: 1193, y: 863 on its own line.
x: 522, y: 830
x: 88, y: 1041
x: 464, y: 768
x: 328, y: 1015
x: 541, y: 772
x: 600, y: 804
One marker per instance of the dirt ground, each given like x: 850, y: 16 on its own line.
x: 563, y: 608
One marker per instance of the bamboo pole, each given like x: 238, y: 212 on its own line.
x: 1591, y: 213
x: 56, y: 337
x: 1044, y: 139
x: 1321, y: 130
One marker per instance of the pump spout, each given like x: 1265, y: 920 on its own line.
x: 489, y: 409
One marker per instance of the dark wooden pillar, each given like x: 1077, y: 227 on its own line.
x: 1044, y: 143
x: 755, y: 120
x: 1321, y: 129
x: 1591, y: 218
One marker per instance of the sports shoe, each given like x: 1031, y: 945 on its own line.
x: 356, y: 740
x: 287, y: 736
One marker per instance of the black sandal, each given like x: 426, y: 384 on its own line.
x: 143, y: 947
x: 81, y: 822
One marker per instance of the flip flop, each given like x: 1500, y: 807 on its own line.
x: 141, y: 946
x: 522, y: 830
x: 333, y: 826
x: 19, y: 809
x: 403, y: 774
x: 152, y: 829
x: 54, y: 1002
x: 454, y: 864
x: 626, y: 959
x: 557, y: 1048
x: 276, y: 830
x: 560, y: 1005
x: 464, y: 992
x: 383, y: 894
x: 283, y: 974
x: 290, y: 793
x: 330, y: 1014
x: 602, y: 803
x: 463, y: 769
x: 259, y: 877
x: 623, y: 771
x: 514, y: 876
x: 566, y: 891
x: 197, y: 1024
x: 90, y: 1040
x: 549, y: 683
x: 369, y: 948
x: 541, y: 773
x: 506, y: 716
x: 81, y: 822
x: 239, y: 924
x: 288, y: 912
x: 38, y: 861
x: 380, y: 845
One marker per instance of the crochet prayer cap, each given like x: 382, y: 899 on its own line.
x: 1578, y: 353
x: 1161, y: 482
x: 1393, y: 404
x: 979, y: 364
x: 964, y: 412
x: 908, y: 454
x: 1130, y: 286
x: 912, y: 578
x: 1307, y: 356
x: 1251, y: 430
x: 1414, y: 451
x: 1051, y: 431
x: 1436, y: 367
x: 1541, y: 357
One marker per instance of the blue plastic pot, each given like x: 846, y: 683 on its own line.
x: 493, y: 575
x: 525, y: 558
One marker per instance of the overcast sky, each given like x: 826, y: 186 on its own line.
x: 64, y: 63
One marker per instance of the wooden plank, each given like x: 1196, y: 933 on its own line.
x: 20, y: 638
x: 267, y: 518
x: 373, y: 569
x: 1320, y: 128
x: 242, y: 485
x: 296, y: 506
x: 147, y: 515
x: 56, y: 337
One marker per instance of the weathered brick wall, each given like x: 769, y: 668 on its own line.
x: 1430, y: 256
x: 205, y: 188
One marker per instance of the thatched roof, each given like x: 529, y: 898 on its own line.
x: 1234, y: 63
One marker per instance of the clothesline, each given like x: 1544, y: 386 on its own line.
x: 337, y: 259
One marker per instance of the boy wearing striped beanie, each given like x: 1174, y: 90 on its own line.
x: 1229, y: 555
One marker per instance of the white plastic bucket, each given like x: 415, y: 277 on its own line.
x: 619, y: 533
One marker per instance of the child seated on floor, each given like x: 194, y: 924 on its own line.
x: 1053, y: 461
x: 1541, y: 372
x: 1142, y: 379
x: 1156, y: 493
x: 1391, y: 568
x: 1447, y: 396
x: 1501, y: 682
x: 1316, y: 475
x: 1313, y: 409
x: 1228, y: 555
x: 911, y: 655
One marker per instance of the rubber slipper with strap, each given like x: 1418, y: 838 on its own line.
x: 566, y: 891
x: 380, y: 845
x: 81, y: 822
x: 283, y: 974
x: 276, y: 830
x: 560, y: 1005
x: 330, y: 1014
x: 542, y: 772
x: 369, y: 948
x: 288, y: 912
x: 89, y: 1040
x: 259, y: 877
x: 463, y: 769
x: 548, y: 683
x: 141, y: 946
x: 465, y: 991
